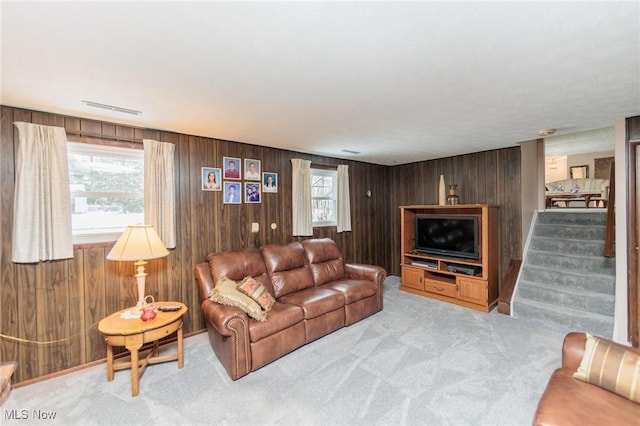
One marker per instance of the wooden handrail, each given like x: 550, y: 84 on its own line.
x: 508, y: 286
x: 611, y: 201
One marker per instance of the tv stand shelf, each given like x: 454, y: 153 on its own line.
x: 472, y: 283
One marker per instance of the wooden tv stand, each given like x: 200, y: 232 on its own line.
x: 476, y: 286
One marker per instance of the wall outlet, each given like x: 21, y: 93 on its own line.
x: 255, y: 227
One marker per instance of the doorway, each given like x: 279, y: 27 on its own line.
x: 576, y: 172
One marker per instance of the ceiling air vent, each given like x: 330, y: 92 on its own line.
x: 112, y: 107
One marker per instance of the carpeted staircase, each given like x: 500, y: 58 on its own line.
x: 566, y: 283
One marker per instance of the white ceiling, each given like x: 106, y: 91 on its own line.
x: 588, y: 142
x: 398, y: 82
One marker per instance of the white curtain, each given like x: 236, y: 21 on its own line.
x: 159, y: 189
x: 42, y: 201
x: 344, y: 205
x: 301, y: 197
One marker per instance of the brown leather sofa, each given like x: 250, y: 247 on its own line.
x: 316, y: 293
x: 569, y: 401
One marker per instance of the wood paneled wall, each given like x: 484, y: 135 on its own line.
x: 50, y: 310
x: 489, y: 177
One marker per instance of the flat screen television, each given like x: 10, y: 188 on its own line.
x: 447, y: 236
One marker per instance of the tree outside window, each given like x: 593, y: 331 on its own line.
x: 107, y: 190
x: 324, y: 197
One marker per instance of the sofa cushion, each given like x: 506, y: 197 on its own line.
x: 352, y: 290
x: 237, y: 264
x: 226, y: 293
x: 255, y: 290
x: 325, y: 259
x: 281, y: 317
x: 315, y: 301
x: 287, y: 268
x: 611, y: 367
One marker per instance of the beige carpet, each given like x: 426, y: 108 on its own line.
x: 418, y: 362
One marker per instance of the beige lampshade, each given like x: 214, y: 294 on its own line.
x: 138, y: 242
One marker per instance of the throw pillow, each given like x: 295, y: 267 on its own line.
x: 610, y: 367
x: 257, y: 291
x: 226, y: 293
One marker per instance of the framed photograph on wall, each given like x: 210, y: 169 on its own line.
x: 269, y: 182
x: 211, y: 179
x: 579, y: 172
x: 232, y: 168
x: 251, y: 192
x: 251, y: 169
x: 232, y: 193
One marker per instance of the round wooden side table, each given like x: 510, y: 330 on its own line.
x: 133, y: 333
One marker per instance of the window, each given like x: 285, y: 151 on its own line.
x: 324, y: 197
x: 107, y: 190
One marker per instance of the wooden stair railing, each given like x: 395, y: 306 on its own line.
x: 611, y: 201
x: 508, y: 286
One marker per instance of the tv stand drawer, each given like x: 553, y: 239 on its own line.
x: 440, y: 287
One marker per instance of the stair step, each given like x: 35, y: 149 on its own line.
x: 563, y: 320
x: 570, y: 298
x: 604, y: 284
x: 566, y: 262
x: 566, y: 283
x: 564, y: 245
x: 572, y: 218
x: 573, y: 232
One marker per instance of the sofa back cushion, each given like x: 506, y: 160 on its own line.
x: 325, y: 260
x: 238, y: 264
x: 287, y: 267
x: 584, y: 185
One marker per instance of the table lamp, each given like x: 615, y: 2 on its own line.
x: 138, y: 243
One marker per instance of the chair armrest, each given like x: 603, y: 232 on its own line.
x: 574, y: 347
x: 573, y: 350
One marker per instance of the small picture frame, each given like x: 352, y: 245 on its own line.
x: 579, y: 172
x: 232, y: 193
x: 252, y: 193
x: 211, y: 179
x: 232, y: 168
x: 269, y: 182
x: 251, y: 169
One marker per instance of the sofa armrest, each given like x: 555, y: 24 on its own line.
x: 371, y: 273
x: 227, y: 320
x: 573, y: 350
x: 204, y: 279
x: 228, y: 329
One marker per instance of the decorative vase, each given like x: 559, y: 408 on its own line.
x: 442, y: 197
x: 148, y: 312
x: 453, y: 198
